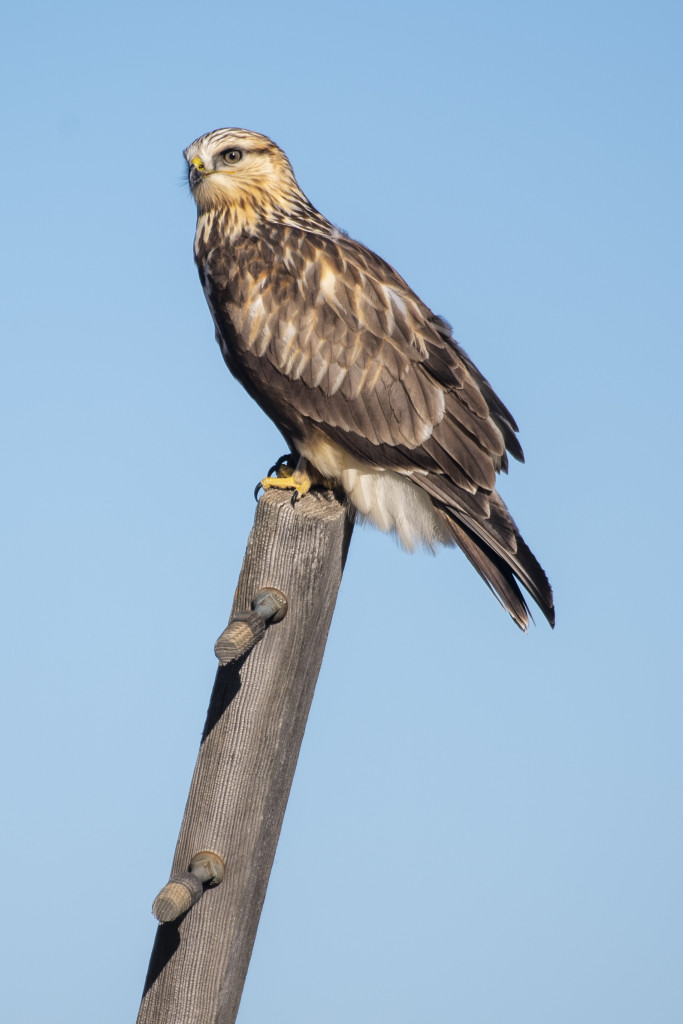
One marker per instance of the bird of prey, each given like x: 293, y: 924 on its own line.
x: 366, y: 384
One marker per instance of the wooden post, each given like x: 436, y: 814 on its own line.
x: 248, y: 754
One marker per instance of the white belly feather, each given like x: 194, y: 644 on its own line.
x: 387, y: 499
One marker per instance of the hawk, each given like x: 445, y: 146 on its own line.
x: 366, y: 384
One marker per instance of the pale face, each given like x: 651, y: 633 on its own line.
x: 234, y: 166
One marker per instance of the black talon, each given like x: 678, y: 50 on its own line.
x: 280, y: 462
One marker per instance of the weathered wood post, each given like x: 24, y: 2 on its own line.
x: 249, y: 749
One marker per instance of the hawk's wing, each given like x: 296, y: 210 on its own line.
x: 327, y: 337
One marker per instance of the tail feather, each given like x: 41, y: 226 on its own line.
x: 500, y: 566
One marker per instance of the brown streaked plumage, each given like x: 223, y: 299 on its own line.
x: 363, y: 380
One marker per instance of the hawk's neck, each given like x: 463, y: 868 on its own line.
x: 225, y: 225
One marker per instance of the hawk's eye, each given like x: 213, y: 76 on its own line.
x: 232, y: 156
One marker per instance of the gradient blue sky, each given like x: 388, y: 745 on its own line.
x: 484, y: 827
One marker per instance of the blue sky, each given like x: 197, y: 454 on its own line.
x: 483, y: 826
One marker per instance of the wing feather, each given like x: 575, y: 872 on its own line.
x: 402, y: 390
x: 331, y: 342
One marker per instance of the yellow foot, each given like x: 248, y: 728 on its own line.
x: 289, y: 479
x: 299, y: 480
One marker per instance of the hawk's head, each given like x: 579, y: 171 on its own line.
x: 232, y: 167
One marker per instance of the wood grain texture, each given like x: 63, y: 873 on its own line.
x: 246, y: 763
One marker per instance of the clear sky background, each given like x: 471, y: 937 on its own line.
x: 484, y: 826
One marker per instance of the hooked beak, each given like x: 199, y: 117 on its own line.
x: 197, y: 171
